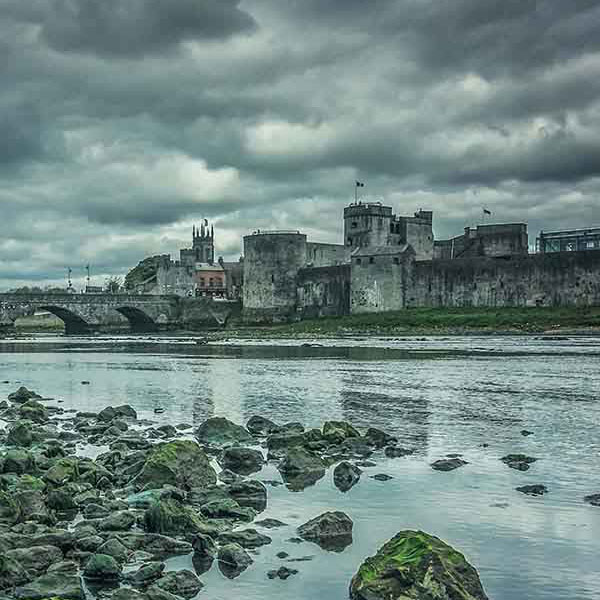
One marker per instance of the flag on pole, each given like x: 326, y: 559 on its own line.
x: 359, y: 184
x: 486, y: 211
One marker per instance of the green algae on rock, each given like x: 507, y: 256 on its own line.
x: 414, y: 565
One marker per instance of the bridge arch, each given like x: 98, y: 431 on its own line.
x: 74, y: 324
x: 139, y: 321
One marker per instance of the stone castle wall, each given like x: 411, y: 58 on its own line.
x: 324, y: 291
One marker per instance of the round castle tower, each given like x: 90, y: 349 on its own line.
x: 272, y: 260
x: 367, y: 225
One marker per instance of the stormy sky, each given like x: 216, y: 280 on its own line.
x: 123, y: 122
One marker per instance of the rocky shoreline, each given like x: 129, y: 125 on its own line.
x: 70, y: 523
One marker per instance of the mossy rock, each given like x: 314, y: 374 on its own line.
x: 416, y: 565
x: 181, y: 463
x: 62, y: 471
x: 170, y: 517
x: 337, y: 431
x: 20, y: 434
x: 218, y: 431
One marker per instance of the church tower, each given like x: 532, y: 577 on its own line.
x: 203, y: 243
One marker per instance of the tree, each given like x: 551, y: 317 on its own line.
x: 113, y: 284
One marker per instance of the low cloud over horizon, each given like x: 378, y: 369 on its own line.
x: 124, y: 123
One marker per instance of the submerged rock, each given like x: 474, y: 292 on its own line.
x: 397, y: 451
x: 448, y: 464
x: 416, y: 565
x: 520, y: 462
x: 281, y: 573
x: 249, y: 494
x: 593, y: 499
x: 345, y: 476
x: 331, y: 531
x: 533, y: 490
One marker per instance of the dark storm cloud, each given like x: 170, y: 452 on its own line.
x: 132, y: 28
x: 123, y: 122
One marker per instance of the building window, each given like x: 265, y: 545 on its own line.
x: 349, y: 241
x: 358, y: 261
x: 354, y: 225
x: 590, y: 244
x: 396, y: 260
x: 371, y: 260
x: 211, y: 282
x: 202, y: 282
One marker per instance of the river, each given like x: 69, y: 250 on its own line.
x: 471, y: 395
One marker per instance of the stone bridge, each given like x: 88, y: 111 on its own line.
x: 83, y: 313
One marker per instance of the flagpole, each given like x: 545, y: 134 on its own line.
x: 355, y: 193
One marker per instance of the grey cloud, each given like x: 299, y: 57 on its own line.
x: 114, y: 28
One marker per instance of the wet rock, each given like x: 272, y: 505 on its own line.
x: 171, y: 517
x: 95, y: 511
x: 119, y: 521
x: 246, y: 538
x: 227, y: 509
x: 257, y: 425
x: 521, y: 462
x: 9, y: 509
x: 227, y: 476
x: 115, y: 548
x: 533, y: 490
x: 181, y: 463
x: 102, y: 567
x: 345, y: 476
x: 22, y: 395
x: 525, y: 432
x: 233, y: 560
x: 397, y: 451
x: 270, y: 523
x: 18, y: 461
x: 299, y: 461
x: 331, y: 531
x: 279, y: 443
x: 282, y: 555
x: 379, y: 438
x: 37, y: 559
x: 58, y: 586
x: 11, y: 572
x: 381, y: 477
x: 154, y: 543
x: 33, y: 411
x: 218, y: 431
x: 416, y: 565
x: 243, y: 461
x: 182, y: 583
x: 249, y: 494
x: 20, y: 434
x: 114, y: 412
x: 146, y: 574
x: 62, y: 471
x: 147, y: 498
x: 593, y: 499
x: 89, y: 543
x: 335, y: 432
x: 290, y: 428
x: 167, y: 430
x: 127, y: 594
x: 204, y: 546
x: 448, y: 464
x: 281, y: 573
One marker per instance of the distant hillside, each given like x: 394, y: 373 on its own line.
x: 143, y: 272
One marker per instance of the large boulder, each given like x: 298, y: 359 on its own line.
x: 249, y: 494
x: 243, y: 461
x: 102, y: 567
x: 233, y: 560
x: 257, y: 425
x: 181, y: 463
x: 301, y: 467
x: 335, y: 432
x: 37, y: 559
x: 22, y: 395
x: 218, y: 431
x: 20, y: 434
x: 63, y: 586
x: 11, y: 572
x: 331, y: 531
x: 182, y: 583
x: 170, y: 517
x: 416, y: 565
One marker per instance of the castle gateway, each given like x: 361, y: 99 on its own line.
x: 389, y: 262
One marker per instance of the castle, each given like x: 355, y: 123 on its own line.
x: 389, y: 262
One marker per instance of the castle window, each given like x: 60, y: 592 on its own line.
x: 396, y: 260
x: 349, y: 241
x: 354, y: 225
x: 371, y: 260
x: 358, y: 261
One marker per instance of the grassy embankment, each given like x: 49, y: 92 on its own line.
x: 444, y: 321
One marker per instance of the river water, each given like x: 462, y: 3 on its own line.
x: 437, y: 395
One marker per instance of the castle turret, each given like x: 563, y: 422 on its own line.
x: 367, y: 225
